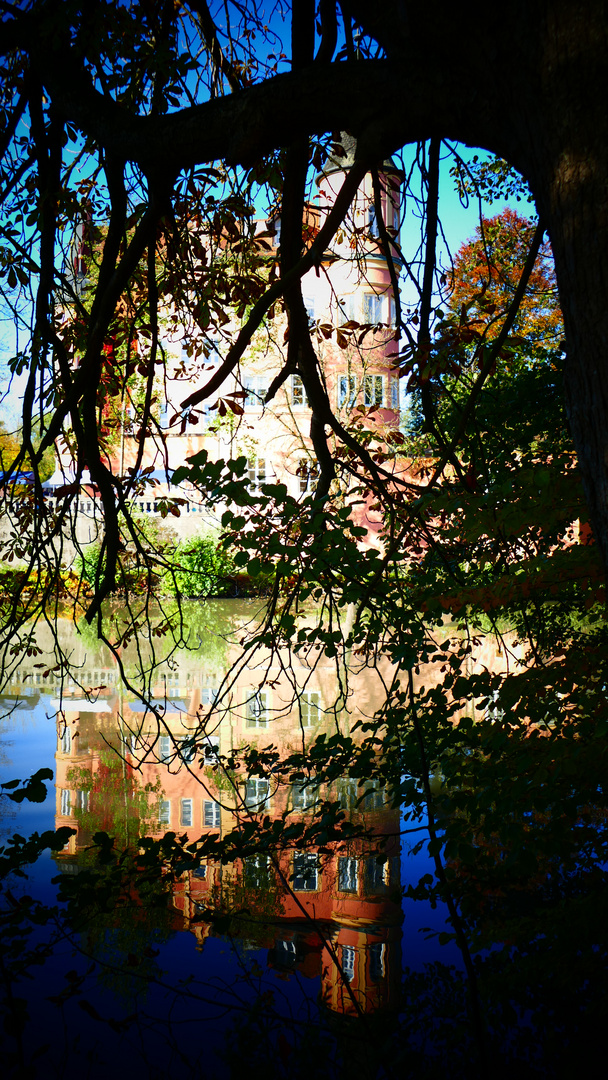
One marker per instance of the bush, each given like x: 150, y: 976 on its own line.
x: 199, y: 564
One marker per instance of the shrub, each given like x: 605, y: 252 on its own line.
x: 198, y: 566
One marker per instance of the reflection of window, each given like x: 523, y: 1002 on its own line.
x: 256, y: 388
x: 164, y: 812
x: 284, y: 954
x: 256, y: 792
x: 209, y: 695
x: 376, y: 873
x: 305, y: 872
x: 164, y: 749
x: 187, y: 750
x: 304, y: 796
x: 211, y: 748
x: 256, y: 872
x: 348, y: 962
x: 347, y: 793
x: 257, y: 710
x: 347, y: 874
x: 82, y: 800
x: 211, y: 814
x: 185, y: 812
x: 347, y: 391
x: 256, y: 472
x: 66, y: 803
x: 200, y: 872
x: 373, y: 308
x: 309, y: 703
x: 373, y: 798
x: 298, y: 392
x: 373, y: 390
x: 376, y: 961
x: 66, y: 741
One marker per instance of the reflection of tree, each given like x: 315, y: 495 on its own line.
x: 111, y: 799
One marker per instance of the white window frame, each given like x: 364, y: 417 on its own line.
x: 376, y: 873
x: 348, y: 874
x: 256, y: 473
x: 256, y: 710
x: 347, y: 960
x: 304, y: 796
x: 257, y: 793
x: 309, y: 705
x: 373, y: 308
x: 82, y: 801
x: 65, y: 803
x: 66, y: 740
x: 299, y: 399
x: 211, y: 814
x: 395, y: 394
x: 165, y: 749
x: 348, y: 391
x: 307, y: 473
x: 374, y: 391
x: 377, y: 952
x: 164, y: 811
x: 186, y: 813
x: 256, y: 871
x: 305, y: 872
x: 256, y: 388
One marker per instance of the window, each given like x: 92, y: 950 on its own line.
x: 348, y: 962
x: 298, y: 393
x: 347, y: 874
x: 257, y: 793
x: 304, y: 796
x: 494, y: 712
x: 347, y: 310
x: 372, y: 222
x: 284, y: 955
x: 347, y: 793
x: 164, y: 749
x: 373, y: 390
x: 211, y: 814
x: 309, y: 705
x: 164, y: 812
x: 257, y: 710
x: 208, y: 695
x: 211, y: 748
x: 256, y: 872
x: 66, y: 741
x: 256, y: 473
x: 347, y: 391
x: 187, y: 750
x: 66, y: 803
x: 373, y: 798
x: 307, y: 472
x: 82, y: 801
x: 256, y: 388
x: 305, y: 872
x: 373, y: 308
x: 185, y: 812
x: 309, y: 304
x: 376, y: 873
x: 395, y: 394
x: 376, y: 961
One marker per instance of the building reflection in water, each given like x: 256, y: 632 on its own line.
x: 334, y: 915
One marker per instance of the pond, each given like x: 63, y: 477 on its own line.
x: 236, y: 884
x: 289, y: 955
